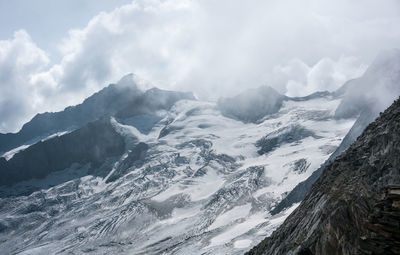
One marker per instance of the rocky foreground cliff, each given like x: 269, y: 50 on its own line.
x: 353, y: 208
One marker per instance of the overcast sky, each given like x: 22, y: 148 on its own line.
x: 56, y: 53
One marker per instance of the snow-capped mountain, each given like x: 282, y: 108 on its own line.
x: 354, y: 207
x: 362, y: 98
x: 187, y: 179
x: 159, y: 172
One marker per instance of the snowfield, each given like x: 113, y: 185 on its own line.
x: 203, y: 187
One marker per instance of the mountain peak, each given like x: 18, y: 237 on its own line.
x: 132, y: 80
x: 127, y: 80
x: 253, y: 104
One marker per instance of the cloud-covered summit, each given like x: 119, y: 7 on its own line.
x: 211, y: 48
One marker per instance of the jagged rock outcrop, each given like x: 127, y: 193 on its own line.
x: 335, y: 217
x: 385, y: 223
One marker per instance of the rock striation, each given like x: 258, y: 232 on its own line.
x: 352, y: 208
x: 384, y: 222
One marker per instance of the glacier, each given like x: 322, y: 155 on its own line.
x: 191, y: 181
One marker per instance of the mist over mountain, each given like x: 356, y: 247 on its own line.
x: 252, y: 105
x: 55, y: 55
x: 123, y: 99
x: 364, y: 98
x: 353, y: 208
x: 153, y: 171
x: 180, y: 127
x: 375, y: 89
x: 108, y: 101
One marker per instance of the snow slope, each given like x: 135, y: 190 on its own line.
x: 200, y: 187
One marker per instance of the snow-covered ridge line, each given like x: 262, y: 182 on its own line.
x: 9, y: 154
x: 201, y: 186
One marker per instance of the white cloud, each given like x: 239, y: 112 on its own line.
x: 144, y: 37
x: 325, y: 75
x: 20, y: 58
x: 216, y: 48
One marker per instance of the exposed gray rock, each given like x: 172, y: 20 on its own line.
x: 301, y: 189
x: 364, y: 97
x: 142, y: 122
x: 93, y: 144
x: 252, y: 105
x: 106, y: 102
x: 290, y: 134
x: 314, y: 95
x: 334, y: 216
x: 134, y: 159
x: 300, y: 166
x: 168, y: 129
x: 153, y: 100
x: 177, y: 195
x: 123, y: 100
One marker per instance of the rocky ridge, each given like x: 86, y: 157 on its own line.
x: 364, y: 98
x: 342, y: 209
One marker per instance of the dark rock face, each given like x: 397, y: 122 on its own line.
x: 385, y: 223
x: 142, y: 122
x: 300, y: 191
x: 300, y: 166
x: 93, y: 143
x: 92, y: 147
x: 134, y: 159
x: 281, y: 136
x: 252, y: 105
x: 106, y: 102
x: 336, y: 215
x: 314, y: 95
x: 122, y: 100
x: 167, y: 130
x: 153, y: 100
